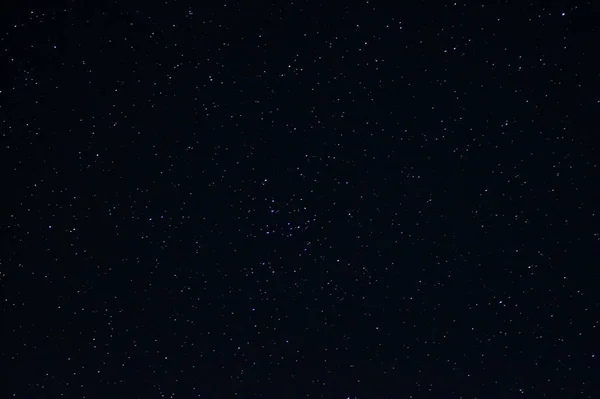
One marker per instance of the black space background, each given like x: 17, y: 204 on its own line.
x: 295, y: 199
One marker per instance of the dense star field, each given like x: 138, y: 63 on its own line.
x: 300, y: 200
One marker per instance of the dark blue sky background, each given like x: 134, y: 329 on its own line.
x: 266, y: 200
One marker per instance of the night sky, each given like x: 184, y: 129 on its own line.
x: 300, y: 200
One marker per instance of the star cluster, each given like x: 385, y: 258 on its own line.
x: 261, y: 200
